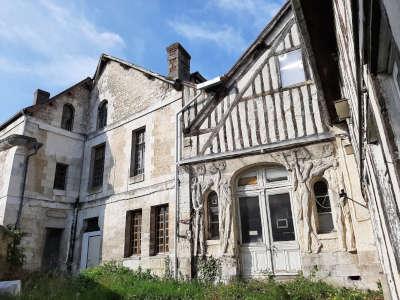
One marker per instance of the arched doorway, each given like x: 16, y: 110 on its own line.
x: 267, y: 237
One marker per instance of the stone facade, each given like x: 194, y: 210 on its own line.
x: 150, y: 207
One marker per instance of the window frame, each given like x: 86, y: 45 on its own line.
x: 92, y: 167
x: 155, y: 232
x: 134, y: 151
x: 133, y: 243
x: 102, y: 115
x: 279, y: 73
x: 209, y: 213
x: 318, y: 214
x: 64, y: 121
x: 63, y: 186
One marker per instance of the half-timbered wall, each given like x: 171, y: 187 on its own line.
x: 256, y: 110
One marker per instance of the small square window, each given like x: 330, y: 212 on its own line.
x: 60, y: 177
x: 291, y: 68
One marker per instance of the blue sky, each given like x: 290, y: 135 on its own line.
x: 52, y: 44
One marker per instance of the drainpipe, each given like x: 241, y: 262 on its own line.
x: 73, y: 236
x: 177, y: 147
x: 74, y: 225
x: 36, y: 148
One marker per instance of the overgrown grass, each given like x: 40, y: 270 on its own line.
x: 115, y: 282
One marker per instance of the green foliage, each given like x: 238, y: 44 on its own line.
x: 113, y: 281
x: 209, y: 269
x: 15, y: 253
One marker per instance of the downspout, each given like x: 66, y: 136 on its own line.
x: 73, y: 236
x: 74, y: 225
x: 36, y: 148
x: 178, y: 144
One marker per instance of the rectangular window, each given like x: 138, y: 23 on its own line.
x: 134, y: 233
x: 138, y: 149
x: 250, y: 220
x: 60, y: 177
x: 291, y: 68
x: 281, y: 217
x: 161, y: 229
x: 98, y: 155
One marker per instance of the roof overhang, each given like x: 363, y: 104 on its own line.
x: 17, y: 140
x: 317, y: 26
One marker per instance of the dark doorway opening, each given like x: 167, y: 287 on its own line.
x: 51, y: 252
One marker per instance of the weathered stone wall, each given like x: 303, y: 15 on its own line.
x: 9, y: 161
x: 78, y: 97
x: 44, y: 207
x: 134, y: 101
x: 128, y: 91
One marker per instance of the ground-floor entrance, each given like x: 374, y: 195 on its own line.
x: 268, y: 242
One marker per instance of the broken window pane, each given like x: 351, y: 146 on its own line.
x: 291, y: 68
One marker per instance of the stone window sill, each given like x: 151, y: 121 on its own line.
x: 212, y: 242
x: 57, y: 192
x: 133, y: 257
x: 94, y: 191
x: 328, y: 236
x: 136, y: 179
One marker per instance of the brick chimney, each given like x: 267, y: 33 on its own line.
x: 40, y: 96
x: 178, y: 62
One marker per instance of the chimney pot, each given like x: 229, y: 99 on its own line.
x: 178, y: 62
x: 40, y: 96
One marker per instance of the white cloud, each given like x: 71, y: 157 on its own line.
x: 55, y: 42
x: 224, y: 36
x: 260, y: 10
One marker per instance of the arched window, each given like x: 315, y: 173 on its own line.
x: 325, y: 222
x: 67, y: 120
x: 102, y: 115
x: 212, y: 216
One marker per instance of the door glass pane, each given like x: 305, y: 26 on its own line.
x: 249, y: 178
x: 250, y: 220
x: 281, y: 217
x: 276, y: 174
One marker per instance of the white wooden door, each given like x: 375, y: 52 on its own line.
x: 91, y: 246
x: 267, y: 232
x: 284, y: 247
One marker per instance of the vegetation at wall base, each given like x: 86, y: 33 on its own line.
x: 112, y: 281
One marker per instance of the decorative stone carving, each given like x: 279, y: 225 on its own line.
x: 347, y: 241
x: 199, y: 189
x: 224, y: 193
x: 207, y: 178
x: 304, y: 170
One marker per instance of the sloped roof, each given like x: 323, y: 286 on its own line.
x: 87, y: 81
x: 104, y: 58
x: 259, y: 41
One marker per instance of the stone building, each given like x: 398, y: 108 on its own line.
x: 159, y: 171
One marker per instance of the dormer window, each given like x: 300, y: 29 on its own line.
x: 102, y: 115
x: 67, y: 120
x: 291, y: 68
